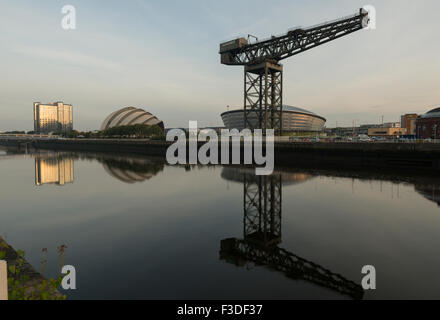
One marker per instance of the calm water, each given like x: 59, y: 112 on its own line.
x: 136, y: 228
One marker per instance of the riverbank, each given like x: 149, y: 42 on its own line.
x: 21, y: 270
x: 416, y: 156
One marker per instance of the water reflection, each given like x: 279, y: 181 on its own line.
x: 262, y: 234
x: 54, y: 169
x: 7, y: 154
x: 58, y: 168
x: 342, y: 219
x: 287, y: 178
x: 430, y: 191
x: 131, y: 170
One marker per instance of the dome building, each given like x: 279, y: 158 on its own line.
x: 294, y: 120
x: 428, y: 125
x: 130, y: 116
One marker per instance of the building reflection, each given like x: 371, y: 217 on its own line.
x: 430, y: 191
x: 131, y: 170
x: 262, y: 234
x: 56, y: 169
x: 287, y: 178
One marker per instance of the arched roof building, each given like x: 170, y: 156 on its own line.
x: 130, y: 116
x: 294, y: 119
x: 428, y: 125
x: 434, y: 113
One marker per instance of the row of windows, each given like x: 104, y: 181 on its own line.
x: 290, y: 122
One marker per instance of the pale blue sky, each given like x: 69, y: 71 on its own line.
x: 163, y: 56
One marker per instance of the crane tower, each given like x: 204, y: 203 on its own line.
x: 263, y: 74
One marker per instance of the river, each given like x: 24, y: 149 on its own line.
x: 137, y: 228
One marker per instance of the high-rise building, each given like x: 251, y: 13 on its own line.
x: 53, y: 117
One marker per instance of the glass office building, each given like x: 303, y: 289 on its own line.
x: 53, y: 117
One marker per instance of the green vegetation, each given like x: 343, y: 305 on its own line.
x: 134, y: 131
x: 137, y: 131
x: 22, y: 282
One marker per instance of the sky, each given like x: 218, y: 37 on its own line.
x: 163, y: 56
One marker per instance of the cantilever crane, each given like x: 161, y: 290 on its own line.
x: 263, y: 75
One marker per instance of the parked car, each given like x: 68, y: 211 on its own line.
x: 364, y: 138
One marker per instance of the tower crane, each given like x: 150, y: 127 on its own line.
x: 263, y: 74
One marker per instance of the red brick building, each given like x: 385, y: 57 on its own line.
x: 428, y: 125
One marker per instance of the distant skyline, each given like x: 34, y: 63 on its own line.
x: 163, y: 57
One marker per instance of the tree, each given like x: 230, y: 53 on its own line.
x: 135, y: 131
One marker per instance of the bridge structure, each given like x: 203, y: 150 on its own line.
x: 263, y: 73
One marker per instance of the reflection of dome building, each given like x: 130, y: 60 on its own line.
x: 132, y: 170
x: 429, y: 191
x: 238, y: 174
x: 130, y: 116
x: 294, y: 120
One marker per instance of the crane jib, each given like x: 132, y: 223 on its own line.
x: 240, y: 52
x: 263, y: 75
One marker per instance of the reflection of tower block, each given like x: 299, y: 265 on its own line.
x: 262, y: 209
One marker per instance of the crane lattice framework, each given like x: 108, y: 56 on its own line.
x: 262, y: 236
x: 263, y: 74
x: 262, y: 209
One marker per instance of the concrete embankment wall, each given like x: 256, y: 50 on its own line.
x: 421, y: 156
x: 372, y: 155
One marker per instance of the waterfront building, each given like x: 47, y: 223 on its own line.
x: 428, y: 125
x: 350, y: 131
x: 294, y: 120
x: 363, y: 129
x: 341, y: 131
x: 54, y: 170
x: 130, y: 116
x: 386, y: 132
x: 409, y: 123
x: 392, y: 125
x: 53, y: 117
